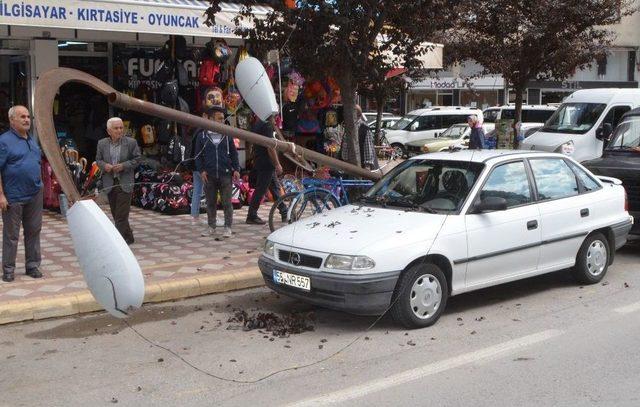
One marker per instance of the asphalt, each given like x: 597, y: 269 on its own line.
x: 177, y: 262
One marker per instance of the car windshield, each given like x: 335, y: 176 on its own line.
x: 404, y: 122
x: 454, y: 132
x: 433, y: 186
x: 574, y: 118
x: 626, y: 136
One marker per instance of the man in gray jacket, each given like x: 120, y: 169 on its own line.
x: 118, y: 157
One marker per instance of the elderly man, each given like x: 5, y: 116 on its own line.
x: 20, y: 194
x: 117, y: 156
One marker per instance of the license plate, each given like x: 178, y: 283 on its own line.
x: 293, y: 280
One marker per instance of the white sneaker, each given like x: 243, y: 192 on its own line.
x: 227, y: 232
x: 209, y: 231
x: 195, y: 221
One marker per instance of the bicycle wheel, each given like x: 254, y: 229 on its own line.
x: 313, y: 201
x: 276, y: 220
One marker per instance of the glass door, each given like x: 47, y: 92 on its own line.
x: 14, y: 87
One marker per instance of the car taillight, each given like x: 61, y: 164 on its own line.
x: 626, y: 201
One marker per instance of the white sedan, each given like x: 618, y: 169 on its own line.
x: 446, y: 223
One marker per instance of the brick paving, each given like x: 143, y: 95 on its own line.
x: 167, y: 247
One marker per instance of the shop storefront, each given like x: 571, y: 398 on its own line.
x: 480, y: 93
x: 124, y: 43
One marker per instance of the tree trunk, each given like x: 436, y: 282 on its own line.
x: 380, y: 107
x: 347, y: 90
x: 518, y: 115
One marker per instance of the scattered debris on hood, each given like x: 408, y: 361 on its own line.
x: 279, y: 325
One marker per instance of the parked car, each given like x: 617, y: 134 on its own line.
x: 446, y: 223
x: 532, y: 115
x: 422, y: 125
x: 385, y: 123
x: 583, y: 121
x: 621, y: 159
x: 370, y: 116
x: 458, y: 134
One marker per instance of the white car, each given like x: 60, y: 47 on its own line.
x: 446, y: 223
x: 424, y: 125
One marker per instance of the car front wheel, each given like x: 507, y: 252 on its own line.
x: 400, y: 151
x: 420, y: 297
x: 592, y: 260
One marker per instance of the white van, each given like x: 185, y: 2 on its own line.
x: 423, y: 125
x: 531, y: 115
x: 583, y: 121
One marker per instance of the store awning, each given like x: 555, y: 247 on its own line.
x: 177, y: 17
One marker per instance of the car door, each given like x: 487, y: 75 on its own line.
x: 503, y: 244
x: 424, y: 128
x: 566, y: 215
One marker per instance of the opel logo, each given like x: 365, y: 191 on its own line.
x: 294, y: 259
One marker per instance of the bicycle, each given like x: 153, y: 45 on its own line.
x: 316, y: 196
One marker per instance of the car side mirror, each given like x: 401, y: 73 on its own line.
x: 490, y: 204
x: 604, y: 131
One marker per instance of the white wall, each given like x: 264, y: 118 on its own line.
x: 617, y: 62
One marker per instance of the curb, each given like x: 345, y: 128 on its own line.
x: 83, y: 302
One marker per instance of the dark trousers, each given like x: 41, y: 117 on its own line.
x: 120, y: 204
x: 265, y: 180
x: 29, y: 214
x: 211, y: 188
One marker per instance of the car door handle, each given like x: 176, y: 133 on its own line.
x: 584, y: 212
x: 532, y: 224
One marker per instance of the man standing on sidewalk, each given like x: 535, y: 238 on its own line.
x: 20, y: 194
x: 266, y: 166
x: 118, y: 157
x: 217, y: 162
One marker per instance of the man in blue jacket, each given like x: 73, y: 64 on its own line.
x: 217, y: 162
x: 20, y: 194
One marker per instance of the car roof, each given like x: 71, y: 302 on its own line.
x: 444, y: 109
x: 483, y: 156
x: 528, y: 107
x: 603, y: 95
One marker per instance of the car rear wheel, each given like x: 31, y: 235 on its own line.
x: 420, y: 297
x: 592, y: 260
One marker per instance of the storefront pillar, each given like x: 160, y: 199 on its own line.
x: 44, y: 56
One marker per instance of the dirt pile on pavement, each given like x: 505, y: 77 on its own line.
x: 279, y: 325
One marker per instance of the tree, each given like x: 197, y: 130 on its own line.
x: 526, y: 40
x: 349, y: 40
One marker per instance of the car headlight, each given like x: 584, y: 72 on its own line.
x: 567, y: 148
x: 269, y: 248
x: 342, y: 262
x: 425, y: 149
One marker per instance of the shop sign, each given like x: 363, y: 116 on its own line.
x: 125, y: 16
x: 445, y: 84
x: 141, y: 72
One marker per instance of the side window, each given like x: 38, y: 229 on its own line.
x: 615, y: 115
x: 536, y: 115
x: 490, y: 115
x: 450, y: 120
x: 554, y: 179
x: 508, y: 181
x: 426, y: 123
x: 587, y: 181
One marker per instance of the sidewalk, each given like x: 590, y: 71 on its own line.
x: 175, y: 260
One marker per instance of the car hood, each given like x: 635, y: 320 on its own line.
x: 614, y: 163
x: 350, y: 229
x: 544, y: 141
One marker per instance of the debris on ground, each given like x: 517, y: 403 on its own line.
x: 279, y: 325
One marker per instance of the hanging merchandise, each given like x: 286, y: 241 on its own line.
x: 291, y: 92
x: 175, y: 152
x: 148, y: 134
x: 183, y: 76
x: 214, y: 98
x: 221, y: 51
x: 165, y: 131
x: 232, y: 98
x: 209, y: 73
x: 182, y: 105
x: 169, y: 93
x: 165, y: 71
x: 334, y: 91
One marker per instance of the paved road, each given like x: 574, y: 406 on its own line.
x: 540, y: 342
